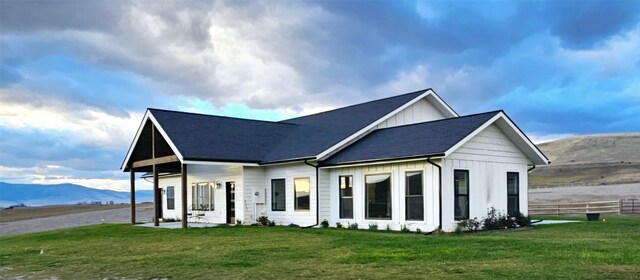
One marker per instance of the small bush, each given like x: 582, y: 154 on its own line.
x: 238, y: 223
x: 353, y: 226
x: 324, y: 224
x: 292, y: 225
x: 272, y: 223
x: 263, y: 220
x: 255, y: 224
x: 493, y: 220
x: 522, y: 220
x: 404, y: 229
x: 469, y: 225
x: 339, y: 225
x: 373, y: 227
x: 388, y: 227
x: 418, y: 231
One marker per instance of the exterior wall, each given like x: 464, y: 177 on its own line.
x: 397, y: 171
x: 206, y: 173
x: 259, y: 178
x: 488, y: 157
x: 421, y: 111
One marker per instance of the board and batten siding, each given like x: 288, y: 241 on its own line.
x: 397, y: 171
x: 421, y: 111
x: 261, y: 180
x: 206, y: 173
x: 488, y: 157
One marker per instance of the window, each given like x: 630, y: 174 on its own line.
x: 171, y: 198
x: 346, y: 197
x: 278, y: 195
x: 378, y: 196
x: 414, y: 202
x: 301, y: 188
x: 513, y: 193
x: 461, y: 194
x: 202, y: 197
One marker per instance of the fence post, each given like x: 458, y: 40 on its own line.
x: 620, y: 207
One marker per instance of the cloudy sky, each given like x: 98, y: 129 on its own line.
x: 77, y: 76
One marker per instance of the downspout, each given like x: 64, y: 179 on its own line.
x: 439, y: 192
x: 532, y: 168
x: 317, y: 195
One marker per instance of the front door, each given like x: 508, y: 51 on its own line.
x: 231, y: 202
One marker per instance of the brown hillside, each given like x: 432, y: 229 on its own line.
x: 600, y: 158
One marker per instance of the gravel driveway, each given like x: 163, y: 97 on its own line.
x: 122, y: 215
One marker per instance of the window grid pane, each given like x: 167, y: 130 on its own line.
x: 513, y: 193
x: 414, y: 201
x: 461, y: 193
x: 278, y: 195
x: 378, y: 196
x: 346, y: 197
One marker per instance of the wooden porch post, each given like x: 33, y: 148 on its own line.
x: 184, y: 196
x: 156, y: 202
x: 133, y: 195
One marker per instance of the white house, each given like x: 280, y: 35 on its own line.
x: 407, y: 160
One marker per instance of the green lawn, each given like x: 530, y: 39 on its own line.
x: 606, y: 250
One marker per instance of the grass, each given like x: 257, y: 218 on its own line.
x: 27, y: 213
x: 605, y: 250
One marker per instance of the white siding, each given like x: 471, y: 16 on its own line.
x: 421, y: 111
x: 259, y: 178
x: 254, y: 181
x: 488, y: 156
x: 397, y: 171
x: 206, y: 173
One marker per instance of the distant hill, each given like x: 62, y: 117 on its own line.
x: 38, y: 195
x: 598, y: 158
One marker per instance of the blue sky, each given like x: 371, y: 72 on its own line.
x: 77, y: 76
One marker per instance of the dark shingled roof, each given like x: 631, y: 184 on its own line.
x: 408, y: 141
x: 215, y: 138
x: 318, y: 132
x: 206, y: 137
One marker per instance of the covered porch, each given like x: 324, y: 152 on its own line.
x: 151, y: 153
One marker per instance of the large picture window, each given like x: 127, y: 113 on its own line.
x: 414, y: 202
x: 202, y: 197
x: 461, y: 194
x: 171, y: 198
x: 301, y: 189
x: 378, y: 196
x: 513, y: 193
x: 278, y: 195
x: 346, y: 197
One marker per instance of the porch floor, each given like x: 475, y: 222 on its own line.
x: 178, y: 225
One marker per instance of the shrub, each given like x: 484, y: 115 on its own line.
x: 418, y: 231
x: 404, y: 229
x: 522, y: 220
x: 263, y: 220
x: 238, y: 223
x: 339, y: 225
x: 493, y: 220
x: 353, y: 226
x: 324, y: 223
x: 272, y: 223
x: 388, y: 227
x: 293, y: 225
x: 469, y: 225
x: 373, y: 227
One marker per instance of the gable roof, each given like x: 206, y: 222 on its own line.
x: 213, y: 138
x: 425, y: 139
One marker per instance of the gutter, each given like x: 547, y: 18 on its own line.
x: 439, y: 192
x: 532, y: 168
x: 317, y: 195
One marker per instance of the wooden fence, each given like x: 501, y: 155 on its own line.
x: 622, y: 206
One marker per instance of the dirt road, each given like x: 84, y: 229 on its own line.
x: 122, y: 215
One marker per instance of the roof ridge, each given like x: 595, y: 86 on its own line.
x: 218, y: 116
x: 440, y: 120
x: 357, y: 104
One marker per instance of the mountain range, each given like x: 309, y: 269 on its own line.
x: 39, y: 195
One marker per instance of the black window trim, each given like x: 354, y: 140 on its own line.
x: 517, y: 190
x: 284, y: 208
x: 468, y: 195
x: 364, y: 185
x: 340, y: 197
x: 406, y: 193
